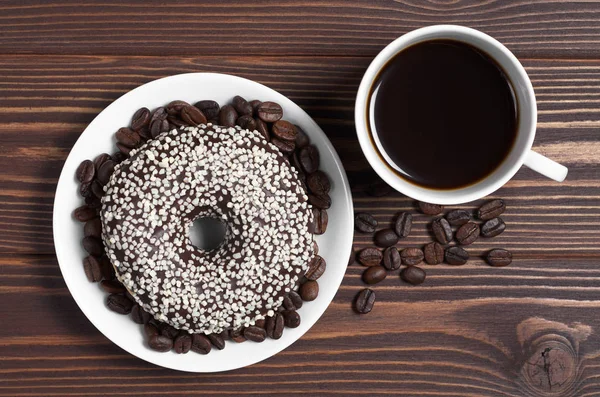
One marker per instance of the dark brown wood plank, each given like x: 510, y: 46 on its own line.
x: 530, y: 28
x: 46, y: 102
x: 468, y: 331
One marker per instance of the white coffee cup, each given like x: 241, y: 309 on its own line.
x: 521, y: 152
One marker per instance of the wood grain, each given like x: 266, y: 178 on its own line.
x: 538, y: 28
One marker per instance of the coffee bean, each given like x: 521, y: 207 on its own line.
x: 93, y: 228
x: 128, y: 137
x: 108, y: 271
x: 499, y: 257
x: 318, y: 183
x: 442, y: 230
x: 237, y: 336
x: 85, y: 172
x: 467, y: 233
x: 246, y: 122
x: 119, y: 303
x: 315, y: 247
x: 174, y: 107
x: 403, y: 224
x: 391, y: 258
x: 430, y: 209
x: 101, y: 159
x: 291, y: 318
x: 105, y: 171
x: 209, y: 108
x: 227, y: 116
x: 370, y: 257
x: 385, y: 238
x: 118, y: 157
x: 191, y: 115
x: 124, y: 149
x: 296, y: 300
x: 320, y: 201
x: 309, y: 159
x: 374, y: 274
x: 93, y: 245
x: 255, y: 334
x: 182, y: 343
x: 112, y: 287
x: 434, y: 253
x: 316, y: 268
x: 150, y: 330
x: 168, y: 330
x: 287, y: 303
x: 284, y: 130
x: 284, y: 147
x: 269, y: 112
x: 97, y: 189
x: 241, y: 106
x: 145, y: 133
x: 302, y: 139
x: 85, y: 189
x: 139, y: 315
x: 92, y: 269
x: 140, y: 119
x: 491, y: 209
x: 262, y: 127
x: 217, y: 341
x: 158, y: 126
x: 84, y: 213
x: 260, y: 323
x: 412, y: 256
x: 274, y: 326
x: 413, y: 275
x: 493, y: 227
x: 93, y: 201
x: 309, y: 291
x: 456, y: 256
x: 458, y: 217
x: 318, y: 224
x: 379, y: 189
x: 176, y: 122
x: 255, y: 104
x: 365, y: 223
x: 364, y: 301
x: 160, y: 343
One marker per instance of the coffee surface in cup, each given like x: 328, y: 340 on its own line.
x: 444, y: 113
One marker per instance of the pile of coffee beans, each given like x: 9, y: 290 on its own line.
x: 267, y: 119
x: 456, y: 225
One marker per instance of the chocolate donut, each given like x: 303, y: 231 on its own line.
x: 230, y: 174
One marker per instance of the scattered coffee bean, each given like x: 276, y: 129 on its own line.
x: 287, y: 303
x: 217, y: 341
x: 246, y: 122
x: 168, y: 330
x: 370, y: 257
x: 309, y: 159
x: 315, y: 247
x: 318, y: 183
x: 391, y: 258
x: 456, y: 256
x: 174, y: 107
x: 296, y: 300
x: 101, y: 159
x: 309, y: 291
x: 262, y: 127
x: 93, y: 202
x: 97, y: 189
x: 430, y: 209
x: 499, y: 257
x: 260, y: 323
x: 284, y: 130
x: 93, y: 245
x: 92, y: 269
x: 403, y: 224
x: 274, y: 326
x: 255, y: 334
x: 316, y: 268
x: 85, y: 190
x: 242, y: 106
x: 255, y: 104
x: 458, y: 217
x: 209, y: 108
x: 140, y: 119
x: 191, y: 115
x: 118, y: 157
x: 176, y: 122
x: 182, y: 343
x: 119, y: 303
x: 128, y: 137
x: 200, y: 344
x: 374, y: 274
x: 291, y: 318
x: 237, y: 336
x: 108, y: 271
x: 124, y: 149
x: 160, y: 343
x: 379, y: 189
x: 491, y: 209
x: 84, y: 213
x: 269, y: 112
x: 112, y: 287
x: 105, y: 171
x: 365, y: 223
x: 150, y: 330
x: 321, y: 201
x: 434, y: 253
x: 139, y: 315
x: 159, y: 113
x: 493, y: 227
x: 85, y: 172
x: 145, y: 133
x: 364, y: 301
x: 319, y: 222
x: 158, y: 126
x: 302, y: 139
x: 284, y: 147
x: 227, y: 116
x: 385, y: 238
x: 467, y: 233
x: 442, y: 230
x: 412, y: 256
x: 413, y: 275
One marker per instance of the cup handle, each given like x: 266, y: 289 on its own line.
x: 545, y: 166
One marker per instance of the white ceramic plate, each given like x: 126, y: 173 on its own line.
x: 335, y: 244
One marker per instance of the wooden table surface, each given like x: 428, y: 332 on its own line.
x: 531, y: 329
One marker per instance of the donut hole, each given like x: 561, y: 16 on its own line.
x: 207, y: 233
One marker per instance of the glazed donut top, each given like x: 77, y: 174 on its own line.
x: 235, y: 175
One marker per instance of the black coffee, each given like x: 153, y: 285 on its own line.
x: 444, y: 113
